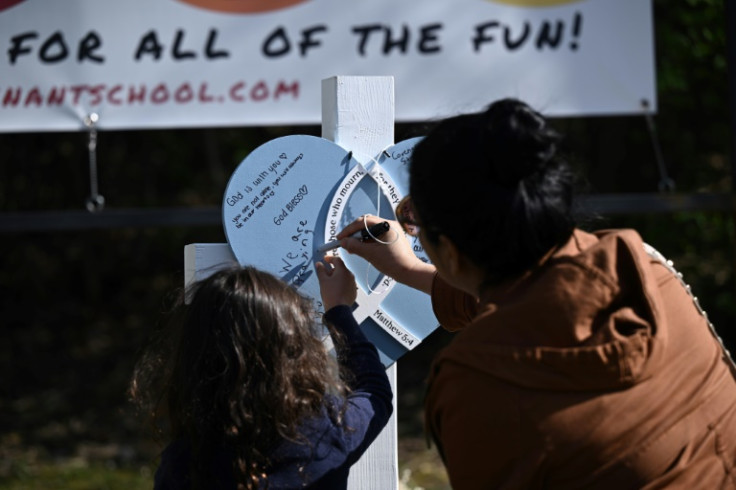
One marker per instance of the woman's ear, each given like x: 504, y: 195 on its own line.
x: 464, y: 273
x: 449, y: 255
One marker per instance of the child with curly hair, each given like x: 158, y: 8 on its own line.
x: 244, y: 391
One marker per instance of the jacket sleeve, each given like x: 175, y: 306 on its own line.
x: 453, y: 308
x: 369, y: 405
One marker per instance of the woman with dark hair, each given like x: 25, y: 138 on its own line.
x: 243, y: 387
x: 582, y: 360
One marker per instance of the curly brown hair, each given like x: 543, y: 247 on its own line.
x: 240, y: 365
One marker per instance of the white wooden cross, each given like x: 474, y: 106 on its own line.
x: 358, y: 115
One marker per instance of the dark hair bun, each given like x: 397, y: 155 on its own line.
x: 495, y: 184
x: 518, y: 141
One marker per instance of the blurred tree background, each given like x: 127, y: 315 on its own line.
x: 78, y: 304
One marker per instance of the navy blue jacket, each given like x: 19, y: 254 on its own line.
x: 334, y: 448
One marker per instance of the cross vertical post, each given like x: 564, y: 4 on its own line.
x: 358, y: 114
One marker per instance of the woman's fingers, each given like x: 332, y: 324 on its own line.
x: 359, y: 224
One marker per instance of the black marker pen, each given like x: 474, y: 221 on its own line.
x: 373, y: 231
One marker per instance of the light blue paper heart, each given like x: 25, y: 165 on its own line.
x: 290, y: 195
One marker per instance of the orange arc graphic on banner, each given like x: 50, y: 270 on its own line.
x: 6, y: 4
x: 243, y: 6
x: 535, y: 3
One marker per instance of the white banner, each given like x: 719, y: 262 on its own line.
x: 195, y: 63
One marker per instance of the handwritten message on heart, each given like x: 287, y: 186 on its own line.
x: 293, y: 194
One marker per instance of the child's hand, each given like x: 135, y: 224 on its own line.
x: 336, y: 283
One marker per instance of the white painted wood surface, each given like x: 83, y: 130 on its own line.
x: 357, y: 114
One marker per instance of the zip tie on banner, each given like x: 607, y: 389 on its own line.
x: 666, y: 184
x: 95, y: 202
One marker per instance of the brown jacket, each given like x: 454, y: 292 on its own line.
x: 595, y: 370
